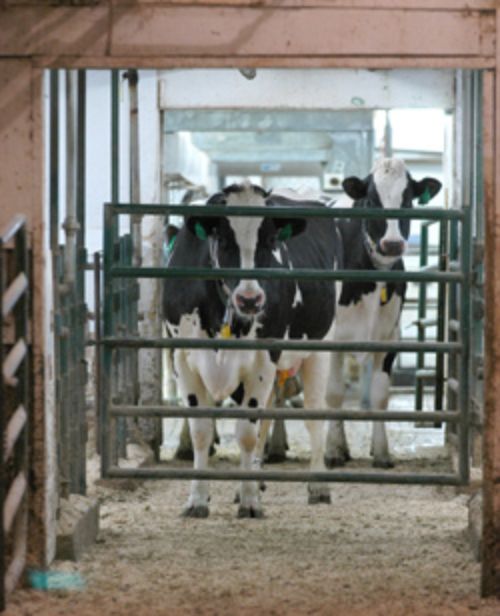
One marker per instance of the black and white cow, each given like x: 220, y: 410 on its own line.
x: 248, y: 309
x: 369, y: 311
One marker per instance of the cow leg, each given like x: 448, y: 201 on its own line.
x: 258, y: 389
x: 379, y: 397
x: 193, y: 394
x: 185, y: 449
x: 365, y: 382
x: 262, y: 434
x: 337, y: 449
x: 314, y: 377
x: 249, y: 501
x: 277, y: 445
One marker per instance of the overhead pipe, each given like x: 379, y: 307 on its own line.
x: 70, y: 224
x: 388, y: 151
x: 132, y: 76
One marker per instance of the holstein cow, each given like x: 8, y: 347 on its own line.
x: 369, y: 311
x: 248, y: 309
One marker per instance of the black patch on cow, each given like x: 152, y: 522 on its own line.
x: 192, y: 400
x: 388, y: 361
x: 275, y: 356
x: 238, y: 394
x: 253, y: 404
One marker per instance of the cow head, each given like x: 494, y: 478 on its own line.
x: 243, y: 242
x: 389, y: 186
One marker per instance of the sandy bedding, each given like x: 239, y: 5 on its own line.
x: 388, y: 550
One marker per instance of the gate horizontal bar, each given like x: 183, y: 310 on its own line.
x: 281, y: 413
x: 14, y: 293
x: 203, y: 273
x: 417, y: 213
x: 272, y: 344
x: 292, y: 476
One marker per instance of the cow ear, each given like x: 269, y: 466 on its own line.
x: 217, y: 199
x: 171, y: 234
x: 354, y: 187
x: 426, y: 189
x: 289, y: 227
x: 202, y: 226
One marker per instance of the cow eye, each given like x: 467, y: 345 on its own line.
x: 271, y: 241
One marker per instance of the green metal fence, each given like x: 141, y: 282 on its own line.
x: 15, y: 403
x: 112, y: 341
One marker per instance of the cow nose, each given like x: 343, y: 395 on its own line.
x: 392, y: 248
x: 250, y: 303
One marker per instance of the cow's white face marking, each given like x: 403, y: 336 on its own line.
x: 389, y: 175
x: 277, y: 255
x: 298, y: 297
x: 246, y: 233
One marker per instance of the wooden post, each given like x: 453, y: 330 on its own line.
x: 490, y: 574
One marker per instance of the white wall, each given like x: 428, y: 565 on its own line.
x: 307, y: 89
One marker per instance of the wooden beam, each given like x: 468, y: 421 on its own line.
x: 144, y: 30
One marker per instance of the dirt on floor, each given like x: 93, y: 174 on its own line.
x: 377, y: 550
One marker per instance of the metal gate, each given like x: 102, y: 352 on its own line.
x: 454, y: 275
x: 15, y: 404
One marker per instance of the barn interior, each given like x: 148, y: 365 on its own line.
x: 176, y: 136
x: 199, y: 130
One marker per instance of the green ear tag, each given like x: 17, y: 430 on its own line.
x: 200, y: 231
x: 170, y: 246
x: 285, y: 233
x: 425, y: 197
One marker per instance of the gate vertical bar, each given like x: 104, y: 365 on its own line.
x: 98, y: 351
x: 441, y: 316
x: 422, y: 311
x: 465, y: 314
x: 54, y: 160
x: 107, y: 352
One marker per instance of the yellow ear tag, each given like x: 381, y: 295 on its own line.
x: 225, y: 331
x: 383, y: 295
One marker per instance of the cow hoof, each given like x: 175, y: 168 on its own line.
x: 337, y: 460
x: 318, y: 495
x: 236, y: 499
x: 334, y: 462
x: 317, y: 499
x: 184, y: 453
x: 250, y: 512
x: 275, y: 458
x: 383, y: 463
x: 262, y: 486
x: 195, y: 511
